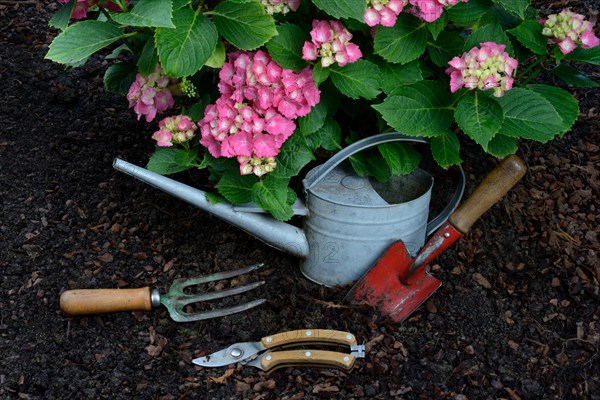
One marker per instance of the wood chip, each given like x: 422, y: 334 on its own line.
x: 481, y: 280
x: 221, y: 380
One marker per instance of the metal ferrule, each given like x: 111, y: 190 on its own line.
x: 154, y: 298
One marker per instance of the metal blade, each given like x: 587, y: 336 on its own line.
x: 179, y: 315
x: 232, y: 354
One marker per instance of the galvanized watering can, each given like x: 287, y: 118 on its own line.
x: 349, y: 220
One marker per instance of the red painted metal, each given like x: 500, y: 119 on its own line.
x: 398, y: 283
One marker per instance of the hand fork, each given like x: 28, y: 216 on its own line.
x: 98, y: 301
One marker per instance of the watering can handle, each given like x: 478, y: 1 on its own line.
x: 313, y: 179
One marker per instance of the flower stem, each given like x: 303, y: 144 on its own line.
x: 532, y: 66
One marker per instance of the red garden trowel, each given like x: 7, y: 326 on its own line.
x: 398, y: 283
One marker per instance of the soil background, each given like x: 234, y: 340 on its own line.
x: 517, y: 316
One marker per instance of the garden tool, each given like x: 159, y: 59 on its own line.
x: 98, y: 301
x: 398, y: 283
x: 347, y: 224
x: 262, y: 354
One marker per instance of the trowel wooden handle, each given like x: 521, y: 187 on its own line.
x: 508, y: 172
x: 99, y: 301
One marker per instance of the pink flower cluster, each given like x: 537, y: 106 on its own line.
x: 280, y: 6
x: 256, y: 111
x: 82, y: 7
x: 431, y: 10
x: 383, y: 12
x: 151, y: 94
x: 568, y: 29
x: 331, y: 42
x: 178, y: 129
x: 487, y: 67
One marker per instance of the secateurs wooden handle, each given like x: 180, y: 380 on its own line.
x: 97, y: 301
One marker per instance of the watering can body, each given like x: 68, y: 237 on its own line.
x: 348, y: 224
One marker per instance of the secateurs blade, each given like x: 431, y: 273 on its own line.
x: 262, y: 354
x: 98, y: 301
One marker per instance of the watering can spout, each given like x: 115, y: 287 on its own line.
x: 280, y: 235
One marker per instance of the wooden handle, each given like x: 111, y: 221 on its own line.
x: 99, y: 301
x: 316, y: 358
x: 309, y: 336
x: 488, y: 192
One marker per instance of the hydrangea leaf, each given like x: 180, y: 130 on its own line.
x: 331, y: 135
x: 489, y: 33
x: 186, y: 48
x: 79, y: 41
x: 61, y: 19
x: 402, y: 43
x: 422, y: 109
x: 528, y: 115
x: 359, y: 79
x: 395, y: 75
x: 151, y: 13
x: 468, y: 13
x: 119, y: 77
x: 563, y: 102
x: 286, y: 48
x: 148, y: 58
x: 501, y: 146
x: 517, y: 7
x: 401, y: 158
x: 588, y: 56
x: 529, y: 34
x: 573, y: 77
x: 294, y: 155
x: 343, y: 8
x: 479, y: 117
x: 447, y: 46
x: 445, y: 149
x: 168, y: 160
x: 236, y: 188
x: 245, y: 25
x: 272, y: 195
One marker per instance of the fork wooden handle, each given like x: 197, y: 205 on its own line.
x: 100, y: 301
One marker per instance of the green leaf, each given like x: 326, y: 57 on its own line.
x: 394, y: 75
x: 367, y: 164
x: 272, y: 195
x: 81, y: 40
x: 177, y: 4
x: 343, y: 8
x: 286, y: 48
x: 330, y: 135
x: 501, y: 146
x: 479, y: 117
x: 489, y: 33
x: 529, y: 34
x: 436, y: 27
x: 468, y: 13
x: 320, y: 74
x: 449, y: 45
x: 151, y: 13
x: 402, y: 43
x: 359, y: 79
x: 185, y: 49
x: 422, y: 109
x: 563, y: 102
x: 246, y: 26
x: 517, y: 7
x: 60, y: 20
x: 528, y: 115
x: 401, y: 158
x: 236, y: 188
x: 573, y: 77
x: 218, y: 57
x: 314, y: 120
x: 168, y: 160
x: 588, y: 56
x: 445, y: 149
x: 119, y: 77
x: 294, y: 155
x: 148, y: 58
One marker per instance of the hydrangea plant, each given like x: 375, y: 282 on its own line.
x: 253, y: 90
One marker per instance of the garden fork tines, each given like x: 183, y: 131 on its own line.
x: 177, y: 302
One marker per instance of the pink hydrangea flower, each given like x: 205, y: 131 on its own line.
x: 431, y: 10
x: 175, y: 130
x: 280, y: 6
x: 568, y: 29
x: 83, y: 6
x: 331, y: 42
x: 484, y: 67
x: 383, y: 12
x: 256, y: 111
x: 151, y: 94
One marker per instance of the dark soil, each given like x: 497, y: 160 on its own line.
x: 517, y: 316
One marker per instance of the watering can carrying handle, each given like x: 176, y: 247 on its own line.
x: 313, y: 179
